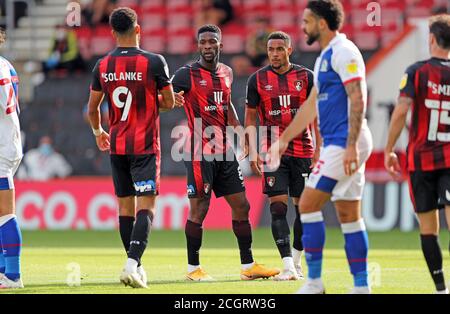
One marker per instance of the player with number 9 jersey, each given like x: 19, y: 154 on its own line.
x: 131, y: 79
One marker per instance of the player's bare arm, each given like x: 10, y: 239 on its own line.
x: 355, y: 94
x: 304, y: 117
x: 166, y: 98
x: 101, y: 137
x: 318, y: 143
x: 251, y: 140
x: 396, y: 126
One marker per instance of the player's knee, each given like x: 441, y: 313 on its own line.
x: 348, y: 217
x: 278, y: 210
x: 305, y: 206
x: 198, y: 212
x: 243, y: 207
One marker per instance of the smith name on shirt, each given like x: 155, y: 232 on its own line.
x: 122, y: 76
x: 439, y: 89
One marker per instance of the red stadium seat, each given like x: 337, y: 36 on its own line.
x: 154, y: 41
x: 253, y: 4
x: 84, y: 35
x: 282, y: 19
x: 151, y: 21
x: 178, y: 5
x: 233, y: 38
x: 178, y: 21
x: 181, y: 42
x: 152, y: 6
x: 366, y: 40
x: 102, y: 41
x: 281, y: 4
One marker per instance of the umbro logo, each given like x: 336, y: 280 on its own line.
x: 203, y: 83
x: 268, y: 87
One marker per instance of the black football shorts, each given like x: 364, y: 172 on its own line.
x: 429, y: 190
x: 135, y: 174
x: 289, y: 178
x: 222, y: 177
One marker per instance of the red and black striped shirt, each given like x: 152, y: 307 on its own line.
x: 277, y: 98
x: 130, y: 79
x: 207, y: 97
x: 428, y: 84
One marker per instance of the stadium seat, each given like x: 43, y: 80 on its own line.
x: 151, y: 21
x: 102, y: 41
x: 154, y: 41
x: 281, y: 19
x: 84, y: 41
x: 366, y: 40
x: 181, y: 42
x: 177, y: 5
x: 178, y: 21
x: 281, y: 4
x: 233, y: 38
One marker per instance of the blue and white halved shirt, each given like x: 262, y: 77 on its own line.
x: 339, y: 63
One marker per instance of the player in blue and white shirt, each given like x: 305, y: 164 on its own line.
x: 10, y: 156
x: 338, y: 99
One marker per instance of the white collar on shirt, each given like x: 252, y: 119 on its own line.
x: 336, y: 39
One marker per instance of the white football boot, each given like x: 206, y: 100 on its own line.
x: 132, y: 279
x: 442, y: 291
x: 141, y: 272
x: 299, y: 270
x: 286, y: 274
x: 312, y: 286
x: 360, y: 290
x: 6, y: 283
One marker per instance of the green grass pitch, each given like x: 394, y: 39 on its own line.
x: 396, y: 263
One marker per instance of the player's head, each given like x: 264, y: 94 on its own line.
x: 2, y: 36
x: 322, y: 16
x: 209, y: 39
x: 440, y: 32
x: 279, y: 49
x: 124, y: 24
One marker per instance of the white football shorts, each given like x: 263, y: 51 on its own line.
x: 329, y: 176
x: 7, y: 170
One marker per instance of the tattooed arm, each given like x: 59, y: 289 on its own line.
x: 395, y: 129
x: 355, y: 94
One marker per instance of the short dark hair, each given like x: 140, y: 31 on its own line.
x: 280, y: 35
x: 331, y: 11
x: 123, y: 20
x: 440, y: 28
x: 209, y: 28
x: 2, y: 36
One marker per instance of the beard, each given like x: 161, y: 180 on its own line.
x: 277, y: 67
x: 210, y: 59
x: 312, y: 38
